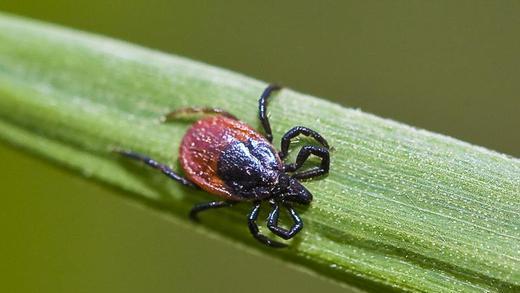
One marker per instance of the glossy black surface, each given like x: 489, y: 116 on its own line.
x: 251, y: 169
x: 262, y: 110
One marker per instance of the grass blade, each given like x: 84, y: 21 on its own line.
x: 402, y: 208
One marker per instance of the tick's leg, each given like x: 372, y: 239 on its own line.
x: 262, y: 110
x: 303, y: 155
x: 251, y: 221
x: 156, y: 165
x: 294, y: 132
x: 272, y: 223
x: 194, y: 111
x: 208, y: 205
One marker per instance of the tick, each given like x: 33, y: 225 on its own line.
x: 229, y: 159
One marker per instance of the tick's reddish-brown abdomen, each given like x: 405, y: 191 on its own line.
x: 202, y: 146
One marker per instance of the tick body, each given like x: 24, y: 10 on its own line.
x: 229, y: 159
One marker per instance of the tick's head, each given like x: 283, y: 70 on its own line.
x: 292, y: 190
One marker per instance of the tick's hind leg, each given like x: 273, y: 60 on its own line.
x: 156, y: 165
x: 303, y: 155
x: 294, y: 132
x: 262, y: 110
x: 272, y: 222
x: 253, y: 227
x: 194, y: 111
x: 208, y: 205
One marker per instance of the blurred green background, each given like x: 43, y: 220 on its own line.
x: 447, y: 66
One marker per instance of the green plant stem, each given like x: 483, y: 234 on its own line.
x: 402, y: 208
